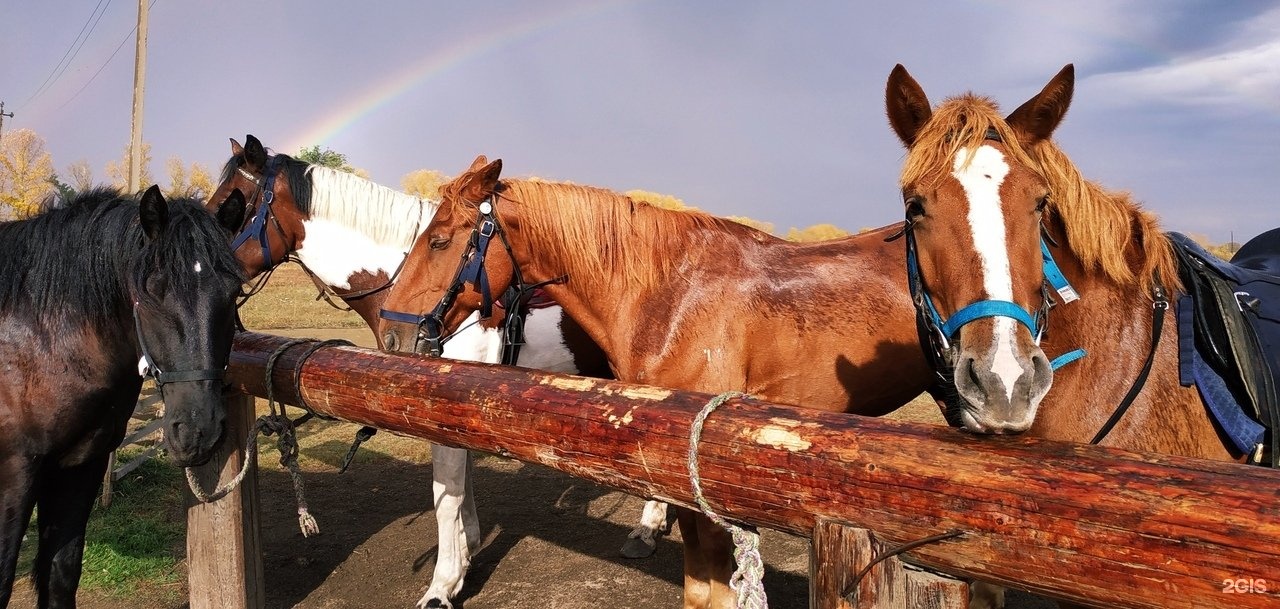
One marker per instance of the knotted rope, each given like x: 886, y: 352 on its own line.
x: 277, y: 423
x: 747, y: 579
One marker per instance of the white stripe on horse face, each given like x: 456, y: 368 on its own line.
x: 981, y: 181
x: 335, y: 252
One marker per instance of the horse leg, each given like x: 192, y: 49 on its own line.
x: 65, y: 501
x: 642, y: 542
x: 16, y: 501
x: 457, y: 525
x: 983, y: 595
x: 716, y: 545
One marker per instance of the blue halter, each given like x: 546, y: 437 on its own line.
x: 944, y: 331
x: 258, y: 226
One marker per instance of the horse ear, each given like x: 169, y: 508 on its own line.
x: 478, y: 185
x: 254, y: 154
x: 906, y: 104
x: 153, y: 212
x: 480, y: 161
x: 231, y: 212
x: 1040, y: 115
x: 236, y: 148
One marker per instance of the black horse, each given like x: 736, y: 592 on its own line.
x: 93, y: 296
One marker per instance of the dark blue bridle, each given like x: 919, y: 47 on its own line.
x: 471, y: 269
x: 257, y: 227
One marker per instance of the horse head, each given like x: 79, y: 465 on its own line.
x: 272, y: 226
x: 974, y: 204
x: 462, y: 261
x: 184, y: 287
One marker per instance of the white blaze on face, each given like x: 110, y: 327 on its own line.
x: 335, y: 252
x: 981, y: 181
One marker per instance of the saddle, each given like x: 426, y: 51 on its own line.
x: 1229, y: 326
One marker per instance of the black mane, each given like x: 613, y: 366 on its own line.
x: 295, y: 173
x: 85, y: 262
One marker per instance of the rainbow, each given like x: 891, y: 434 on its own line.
x: 437, y: 62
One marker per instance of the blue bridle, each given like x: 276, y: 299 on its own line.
x: 943, y: 331
x: 257, y: 227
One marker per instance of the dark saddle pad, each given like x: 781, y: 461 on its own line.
x: 1234, y: 317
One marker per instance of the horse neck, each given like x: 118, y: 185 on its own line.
x: 356, y: 236
x: 602, y: 286
x: 1112, y: 321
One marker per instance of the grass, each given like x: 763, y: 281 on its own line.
x: 136, y: 543
x: 289, y: 302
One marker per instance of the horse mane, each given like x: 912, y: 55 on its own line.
x: 385, y: 215
x: 85, y: 261
x: 1102, y: 227
x: 295, y: 174
x: 574, y: 226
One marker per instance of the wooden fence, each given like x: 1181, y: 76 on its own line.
x: 1092, y: 525
x: 147, y: 414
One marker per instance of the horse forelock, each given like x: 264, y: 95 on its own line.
x: 1100, y: 225
x: 387, y: 216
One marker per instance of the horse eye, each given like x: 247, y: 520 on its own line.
x: 1042, y: 203
x: 915, y: 208
x: 439, y: 243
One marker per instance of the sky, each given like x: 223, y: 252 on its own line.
x: 771, y: 110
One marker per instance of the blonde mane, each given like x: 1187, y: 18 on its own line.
x: 621, y: 240
x: 1102, y: 227
x: 387, y: 216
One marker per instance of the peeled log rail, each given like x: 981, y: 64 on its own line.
x: 1094, y: 525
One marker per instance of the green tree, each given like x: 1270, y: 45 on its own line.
x: 25, y: 169
x: 65, y: 191
x: 325, y: 158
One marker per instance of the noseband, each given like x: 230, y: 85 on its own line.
x: 150, y: 369
x: 471, y: 269
x: 257, y: 227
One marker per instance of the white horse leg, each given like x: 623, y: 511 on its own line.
x: 642, y: 542
x: 458, y: 530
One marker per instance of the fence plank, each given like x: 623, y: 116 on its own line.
x: 1089, y: 524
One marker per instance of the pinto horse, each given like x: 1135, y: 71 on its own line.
x: 93, y: 297
x: 352, y: 235
x: 682, y: 300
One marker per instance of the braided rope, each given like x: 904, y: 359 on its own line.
x: 747, y: 580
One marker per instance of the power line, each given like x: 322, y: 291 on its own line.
x: 55, y: 74
x: 127, y: 38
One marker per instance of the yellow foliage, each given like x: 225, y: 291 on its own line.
x: 80, y: 175
x: 25, y: 169
x: 119, y: 172
x: 817, y: 232
x: 658, y: 200
x: 756, y: 224
x: 192, y: 182
x: 423, y: 183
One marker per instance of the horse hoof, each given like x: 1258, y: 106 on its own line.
x: 435, y: 603
x: 639, y: 548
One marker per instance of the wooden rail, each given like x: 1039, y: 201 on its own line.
x: 1093, y: 525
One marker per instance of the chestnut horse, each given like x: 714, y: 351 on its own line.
x: 682, y: 300
x: 979, y: 190
x: 351, y: 235
x: 95, y: 297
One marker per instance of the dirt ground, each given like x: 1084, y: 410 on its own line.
x: 552, y: 540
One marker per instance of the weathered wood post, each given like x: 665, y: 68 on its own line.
x: 839, y: 552
x: 224, y: 556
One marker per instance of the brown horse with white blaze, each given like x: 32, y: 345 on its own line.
x: 682, y: 300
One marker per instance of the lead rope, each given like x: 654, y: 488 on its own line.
x: 747, y: 579
x: 274, y: 423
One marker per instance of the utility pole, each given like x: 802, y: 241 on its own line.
x: 139, y: 79
x: 2, y: 115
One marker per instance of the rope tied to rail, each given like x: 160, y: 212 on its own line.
x: 277, y: 423
x: 747, y: 580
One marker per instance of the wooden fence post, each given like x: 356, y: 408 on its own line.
x: 224, y: 558
x: 839, y: 552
